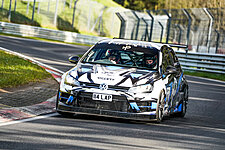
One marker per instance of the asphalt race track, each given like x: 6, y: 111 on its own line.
x: 202, y: 128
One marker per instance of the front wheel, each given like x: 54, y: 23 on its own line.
x: 184, y: 104
x: 160, y: 107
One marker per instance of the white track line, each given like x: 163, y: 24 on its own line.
x: 29, y: 119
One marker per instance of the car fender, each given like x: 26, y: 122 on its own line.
x: 158, y: 87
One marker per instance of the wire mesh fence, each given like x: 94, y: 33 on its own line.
x: 200, y: 28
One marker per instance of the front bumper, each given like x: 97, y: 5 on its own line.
x: 91, y: 111
x: 122, y: 104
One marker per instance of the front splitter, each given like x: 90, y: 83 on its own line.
x: 90, y: 111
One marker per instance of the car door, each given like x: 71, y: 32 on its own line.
x: 177, y: 79
x: 170, y: 79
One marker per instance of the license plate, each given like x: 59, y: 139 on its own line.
x: 102, y: 97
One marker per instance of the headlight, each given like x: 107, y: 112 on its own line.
x: 70, y: 80
x: 141, y: 88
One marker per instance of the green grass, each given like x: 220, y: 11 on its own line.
x: 206, y: 75
x: 15, y: 71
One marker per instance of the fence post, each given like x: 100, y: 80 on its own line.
x: 56, y: 12
x: 168, y: 27
x: 33, y: 10
x: 64, y: 4
x: 15, y: 6
x: 217, y: 40
x: 146, y: 29
x: 70, y: 3
x: 10, y: 5
x: 138, y: 23
x: 39, y: 5
x: 2, y: 4
x: 210, y: 27
x: 162, y: 30
x: 48, y: 5
x: 180, y: 32
x: 74, y: 8
x: 28, y: 4
x: 189, y: 25
x: 122, y: 25
x: 152, y: 23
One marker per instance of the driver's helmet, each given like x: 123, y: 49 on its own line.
x: 151, y: 61
x: 112, y: 55
x: 108, y: 53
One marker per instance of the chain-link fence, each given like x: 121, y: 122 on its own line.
x: 203, y: 30
x: 83, y: 16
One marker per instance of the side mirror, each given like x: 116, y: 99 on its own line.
x: 74, y: 59
x: 177, y: 65
x: 171, y: 70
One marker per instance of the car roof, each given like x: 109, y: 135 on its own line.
x: 134, y: 43
x: 131, y: 45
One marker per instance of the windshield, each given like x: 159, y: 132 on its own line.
x: 136, y: 59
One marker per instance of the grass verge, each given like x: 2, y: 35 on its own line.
x: 15, y: 71
x: 206, y: 75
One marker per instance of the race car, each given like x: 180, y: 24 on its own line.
x: 125, y: 78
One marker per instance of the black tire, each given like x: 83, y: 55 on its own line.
x: 160, y: 107
x: 184, y: 104
x: 57, y: 100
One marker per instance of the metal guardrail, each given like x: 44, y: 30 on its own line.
x: 213, y: 63
x: 31, y: 31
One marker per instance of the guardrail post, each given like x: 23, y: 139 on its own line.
x: 122, y: 25
x: 161, y: 35
x: 33, y: 10
x: 210, y: 27
x: 217, y: 40
x: 189, y: 25
x: 152, y: 23
x: 10, y: 5
x: 138, y: 23
x: 168, y: 26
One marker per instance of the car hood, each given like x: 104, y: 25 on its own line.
x: 112, y: 75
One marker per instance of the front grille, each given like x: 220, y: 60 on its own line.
x: 119, y: 103
x: 110, y: 87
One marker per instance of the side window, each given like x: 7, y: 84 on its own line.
x: 173, y: 55
x: 165, y: 61
x: 171, y: 59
